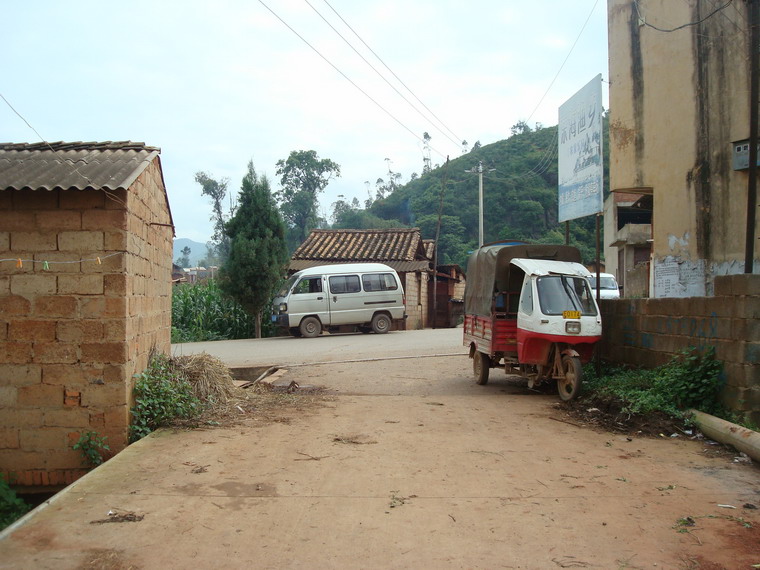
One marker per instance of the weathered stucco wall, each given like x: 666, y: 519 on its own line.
x: 648, y: 332
x: 677, y: 102
x: 79, y: 321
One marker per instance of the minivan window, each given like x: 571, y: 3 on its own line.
x: 283, y: 292
x: 308, y: 285
x: 345, y: 284
x: 379, y: 282
x: 607, y: 282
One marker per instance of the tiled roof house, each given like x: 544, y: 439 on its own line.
x: 400, y: 248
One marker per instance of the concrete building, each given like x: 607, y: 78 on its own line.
x: 85, y: 295
x: 679, y: 122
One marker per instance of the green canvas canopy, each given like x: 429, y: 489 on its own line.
x: 488, y: 270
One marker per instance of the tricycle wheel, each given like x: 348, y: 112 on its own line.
x: 481, y: 366
x: 570, y: 383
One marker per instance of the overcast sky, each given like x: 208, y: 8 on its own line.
x: 215, y: 84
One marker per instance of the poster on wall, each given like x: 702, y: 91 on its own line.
x: 679, y: 278
x: 581, y: 168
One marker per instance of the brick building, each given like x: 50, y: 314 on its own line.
x: 85, y: 294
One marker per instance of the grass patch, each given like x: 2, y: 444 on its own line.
x: 692, y: 379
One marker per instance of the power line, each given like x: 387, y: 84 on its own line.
x: 394, y: 74
x: 682, y: 26
x: 63, y: 159
x: 331, y: 64
x: 456, y: 142
x: 561, y: 67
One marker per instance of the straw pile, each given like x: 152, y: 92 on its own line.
x: 209, y: 377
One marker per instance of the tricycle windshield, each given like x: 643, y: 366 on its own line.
x: 287, y: 286
x: 560, y: 293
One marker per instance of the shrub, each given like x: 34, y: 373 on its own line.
x: 11, y: 506
x: 92, y: 447
x: 161, y: 397
x: 692, y: 379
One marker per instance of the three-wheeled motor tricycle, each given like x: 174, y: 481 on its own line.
x: 529, y: 309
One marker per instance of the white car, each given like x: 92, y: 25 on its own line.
x: 609, y: 288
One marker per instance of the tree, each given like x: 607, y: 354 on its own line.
x: 519, y: 128
x: 302, y: 177
x: 216, y: 190
x: 184, y: 261
x: 258, y: 252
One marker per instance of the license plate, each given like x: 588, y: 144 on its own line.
x: 571, y: 314
x: 274, y: 318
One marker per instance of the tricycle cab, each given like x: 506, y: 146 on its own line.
x: 556, y: 306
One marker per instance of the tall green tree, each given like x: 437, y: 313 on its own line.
x: 302, y: 177
x: 258, y: 252
x: 184, y: 259
x: 216, y: 190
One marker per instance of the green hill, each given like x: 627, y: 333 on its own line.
x: 520, y: 199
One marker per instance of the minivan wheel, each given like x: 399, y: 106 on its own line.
x: 381, y: 324
x: 310, y: 327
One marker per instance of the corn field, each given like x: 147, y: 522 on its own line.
x: 201, y: 312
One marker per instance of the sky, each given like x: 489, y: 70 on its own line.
x: 217, y: 84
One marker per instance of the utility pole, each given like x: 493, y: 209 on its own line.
x: 754, y: 95
x: 479, y: 171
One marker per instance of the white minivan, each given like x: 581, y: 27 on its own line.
x: 609, y: 288
x: 349, y: 296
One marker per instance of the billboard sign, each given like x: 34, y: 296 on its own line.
x: 581, y: 169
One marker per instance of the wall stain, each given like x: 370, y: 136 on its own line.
x: 637, y: 76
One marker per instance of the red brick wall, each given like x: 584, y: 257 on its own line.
x: 73, y: 332
x: 648, y: 332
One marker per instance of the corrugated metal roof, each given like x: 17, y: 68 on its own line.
x: 77, y: 165
x: 362, y: 245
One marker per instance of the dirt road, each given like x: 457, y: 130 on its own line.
x: 406, y: 464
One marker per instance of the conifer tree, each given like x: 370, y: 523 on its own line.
x: 258, y: 254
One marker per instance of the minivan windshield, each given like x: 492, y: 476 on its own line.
x: 606, y: 282
x: 288, y: 285
x: 559, y: 293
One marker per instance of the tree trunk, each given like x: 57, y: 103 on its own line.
x: 258, y: 323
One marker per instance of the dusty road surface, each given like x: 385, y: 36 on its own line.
x: 405, y: 463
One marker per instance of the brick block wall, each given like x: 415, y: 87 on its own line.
x: 416, y: 291
x: 147, y: 282
x: 648, y: 332
x: 78, y: 319
x: 413, y: 308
